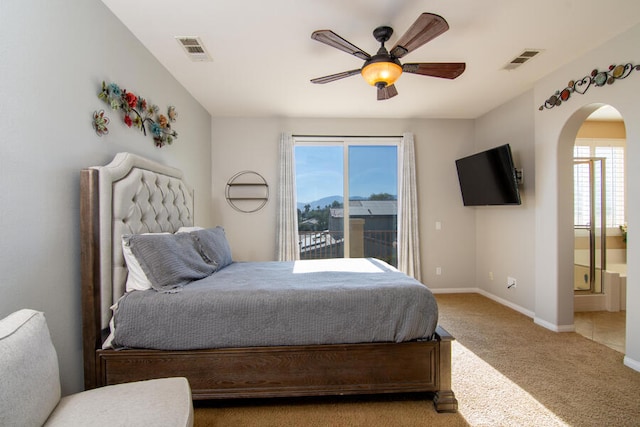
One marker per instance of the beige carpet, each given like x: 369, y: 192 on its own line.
x: 507, y: 371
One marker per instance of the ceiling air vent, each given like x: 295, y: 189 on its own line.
x: 521, y: 59
x: 194, y: 48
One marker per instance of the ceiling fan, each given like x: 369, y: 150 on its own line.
x: 384, y: 68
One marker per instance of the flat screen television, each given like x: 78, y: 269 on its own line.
x: 488, y: 178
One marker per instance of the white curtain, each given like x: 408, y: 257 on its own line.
x: 287, y: 221
x: 408, y: 237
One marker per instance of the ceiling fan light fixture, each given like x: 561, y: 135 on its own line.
x: 384, y: 72
x: 384, y: 68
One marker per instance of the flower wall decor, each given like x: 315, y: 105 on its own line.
x: 596, y: 78
x: 100, y: 122
x: 138, y: 112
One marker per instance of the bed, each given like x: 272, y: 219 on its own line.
x: 132, y: 196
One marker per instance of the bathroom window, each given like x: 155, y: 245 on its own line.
x: 613, y: 151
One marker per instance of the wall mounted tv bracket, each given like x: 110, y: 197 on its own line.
x: 519, y: 175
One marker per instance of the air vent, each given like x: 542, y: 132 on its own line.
x: 525, y: 56
x: 194, y: 48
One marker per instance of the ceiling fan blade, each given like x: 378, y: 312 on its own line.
x: 445, y: 70
x: 334, y: 77
x: 387, y: 92
x: 334, y: 40
x: 427, y: 27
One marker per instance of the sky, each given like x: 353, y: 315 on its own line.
x: 319, y: 171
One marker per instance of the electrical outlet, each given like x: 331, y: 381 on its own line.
x: 511, y: 283
x: 438, y: 271
x: 491, y: 275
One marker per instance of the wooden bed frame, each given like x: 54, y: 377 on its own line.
x: 254, y: 372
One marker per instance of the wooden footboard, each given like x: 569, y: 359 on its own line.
x: 294, y: 371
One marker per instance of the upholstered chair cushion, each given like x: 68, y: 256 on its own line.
x: 163, y: 402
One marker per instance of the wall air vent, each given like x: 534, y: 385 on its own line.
x: 194, y: 48
x: 525, y: 56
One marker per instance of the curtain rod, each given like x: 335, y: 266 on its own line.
x: 346, y: 136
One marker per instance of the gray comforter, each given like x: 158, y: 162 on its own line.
x: 280, y: 303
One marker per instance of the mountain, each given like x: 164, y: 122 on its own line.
x: 321, y: 202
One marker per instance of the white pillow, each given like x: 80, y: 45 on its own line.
x: 189, y: 229
x: 136, y: 279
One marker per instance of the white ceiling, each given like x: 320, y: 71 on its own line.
x: 263, y: 55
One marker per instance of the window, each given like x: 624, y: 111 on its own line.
x: 613, y: 153
x: 363, y: 171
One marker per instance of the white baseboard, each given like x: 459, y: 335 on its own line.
x: 552, y: 327
x: 484, y: 293
x: 455, y: 290
x: 509, y: 304
x: 516, y: 307
x: 633, y: 364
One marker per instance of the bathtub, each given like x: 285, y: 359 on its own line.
x: 614, y: 297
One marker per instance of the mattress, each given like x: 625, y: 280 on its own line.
x: 306, y: 302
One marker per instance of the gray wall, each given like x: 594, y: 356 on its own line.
x: 535, y: 242
x: 555, y: 131
x: 252, y: 144
x: 55, y: 54
x: 504, y: 234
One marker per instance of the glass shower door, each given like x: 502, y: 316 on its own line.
x: 589, y: 223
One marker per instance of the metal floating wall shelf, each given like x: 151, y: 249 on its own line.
x: 247, y: 191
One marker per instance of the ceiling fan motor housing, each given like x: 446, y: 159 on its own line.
x: 381, y: 70
x: 382, y: 34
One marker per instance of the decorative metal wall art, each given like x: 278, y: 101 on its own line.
x: 137, y: 112
x: 597, y: 78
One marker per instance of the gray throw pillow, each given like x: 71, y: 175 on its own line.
x: 213, y: 244
x: 170, y: 261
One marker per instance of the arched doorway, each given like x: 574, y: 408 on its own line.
x: 599, y: 215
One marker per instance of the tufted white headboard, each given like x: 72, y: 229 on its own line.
x: 130, y: 195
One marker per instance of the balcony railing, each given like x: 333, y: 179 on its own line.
x: 381, y: 244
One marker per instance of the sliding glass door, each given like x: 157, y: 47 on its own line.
x: 347, y: 197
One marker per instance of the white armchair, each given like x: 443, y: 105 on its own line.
x: 30, y: 387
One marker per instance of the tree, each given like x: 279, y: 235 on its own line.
x: 382, y: 196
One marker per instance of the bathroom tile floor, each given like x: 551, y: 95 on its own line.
x: 605, y: 327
